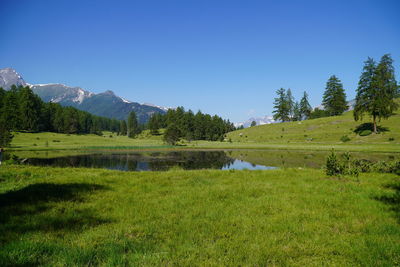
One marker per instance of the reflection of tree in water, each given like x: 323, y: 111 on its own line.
x: 142, y: 161
x: 191, y: 160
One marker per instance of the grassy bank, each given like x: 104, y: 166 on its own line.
x: 294, y: 217
x: 323, y: 131
x: 111, y: 142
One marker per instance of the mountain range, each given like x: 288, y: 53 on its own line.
x: 105, y: 104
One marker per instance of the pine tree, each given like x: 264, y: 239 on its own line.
x: 2, y: 97
x: 296, y: 112
x: 290, y: 103
x: 5, y: 134
x: 253, y: 123
x: 154, y: 124
x: 334, y: 100
x: 123, y: 128
x: 133, y: 127
x: 281, y: 106
x: 172, y: 134
x: 29, y: 110
x: 305, y: 107
x: 10, y: 111
x: 377, y: 90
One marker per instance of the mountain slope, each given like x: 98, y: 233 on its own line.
x: 327, y: 130
x: 105, y: 104
x: 8, y: 77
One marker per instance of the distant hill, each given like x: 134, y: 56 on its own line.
x: 328, y: 130
x: 105, y: 104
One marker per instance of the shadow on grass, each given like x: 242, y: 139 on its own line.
x: 392, y: 199
x: 370, y: 126
x: 34, y: 208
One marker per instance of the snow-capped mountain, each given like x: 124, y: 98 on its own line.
x: 105, y: 104
x: 259, y: 121
x: 8, y: 77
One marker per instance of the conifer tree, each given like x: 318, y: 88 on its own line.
x: 305, y: 107
x: 297, y: 116
x: 377, y: 90
x: 10, y: 111
x: 124, y: 128
x: 290, y: 103
x: 172, y: 134
x: 133, y: 127
x: 334, y: 99
x: 5, y: 134
x: 29, y: 109
x: 281, y: 106
x: 154, y: 124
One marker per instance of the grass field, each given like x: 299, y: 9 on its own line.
x: 317, y: 134
x: 56, y: 141
x: 323, y: 131
x: 70, y: 217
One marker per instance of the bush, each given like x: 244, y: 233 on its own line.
x: 391, y: 139
x: 365, y: 133
x: 363, y: 165
x: 333, y: 166
x: 345, y: 165
x: 345, y: 138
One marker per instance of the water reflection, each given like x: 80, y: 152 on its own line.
x: 196, y: 159
x: 156, y: 161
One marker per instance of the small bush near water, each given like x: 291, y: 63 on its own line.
x: 346, y: 165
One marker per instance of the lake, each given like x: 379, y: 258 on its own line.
x: 235, y: 159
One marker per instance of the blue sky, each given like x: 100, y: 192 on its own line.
x: 222, y: 57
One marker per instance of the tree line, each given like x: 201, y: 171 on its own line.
x: 376, y: 94
x: 179, y: 123
x: 23, y: 110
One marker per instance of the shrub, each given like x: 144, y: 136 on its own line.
x: 363, y: 165
x: 333, y: 166
x: 365, y: 133
x: 391, y: 139
x: 345, y: 138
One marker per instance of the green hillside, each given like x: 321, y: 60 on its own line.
x: 329, y: 130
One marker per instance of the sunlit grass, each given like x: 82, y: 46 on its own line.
x: 69, y: 217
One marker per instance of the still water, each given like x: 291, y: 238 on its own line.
x: 195, y: 159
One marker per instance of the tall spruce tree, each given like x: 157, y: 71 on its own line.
x: 154, y: 124
x: 133, y: 127
x: 5, y: 134
x: 10, y: 111
x: 290, y: 103
x: 296, y: 112
x: 377, y: 90
x: 305, y: 107
x: 334, y: 99
x: 281, y: 106
x: 29, y: 109
x: 124, y: 128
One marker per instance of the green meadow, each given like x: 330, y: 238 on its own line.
x: 323, y: 132
x: 316, y: 134
x: 286, y: 217
x: 87, y: 217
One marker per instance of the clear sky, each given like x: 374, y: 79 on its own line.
x: 222, y: 57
